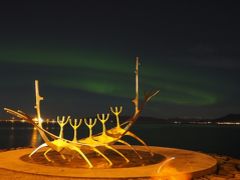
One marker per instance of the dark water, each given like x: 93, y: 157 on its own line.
x: 222, y: 139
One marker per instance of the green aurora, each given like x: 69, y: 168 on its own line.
x: 113, y: 75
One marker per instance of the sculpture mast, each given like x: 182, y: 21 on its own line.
x: 38, y: 99
x: 136, y: 86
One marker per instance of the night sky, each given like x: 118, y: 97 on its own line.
x: 83, y: 53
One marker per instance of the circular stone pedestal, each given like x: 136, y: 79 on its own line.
x: 166, y: 163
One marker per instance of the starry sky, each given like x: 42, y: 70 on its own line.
x: 83, y: 53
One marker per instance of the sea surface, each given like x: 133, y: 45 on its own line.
x: 218, y: 139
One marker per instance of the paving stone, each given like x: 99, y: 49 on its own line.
x: 229, y: 169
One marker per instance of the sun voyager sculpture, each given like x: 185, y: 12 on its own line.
x: 68, y: 149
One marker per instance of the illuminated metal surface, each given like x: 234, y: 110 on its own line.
x: 68, y: 149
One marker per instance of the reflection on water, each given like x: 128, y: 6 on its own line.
x: 36, y: 139
x: 14, y: 136
x: 206, y: 138
x: 11, y: 137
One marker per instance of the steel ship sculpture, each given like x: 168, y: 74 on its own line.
x: 68, y: 149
